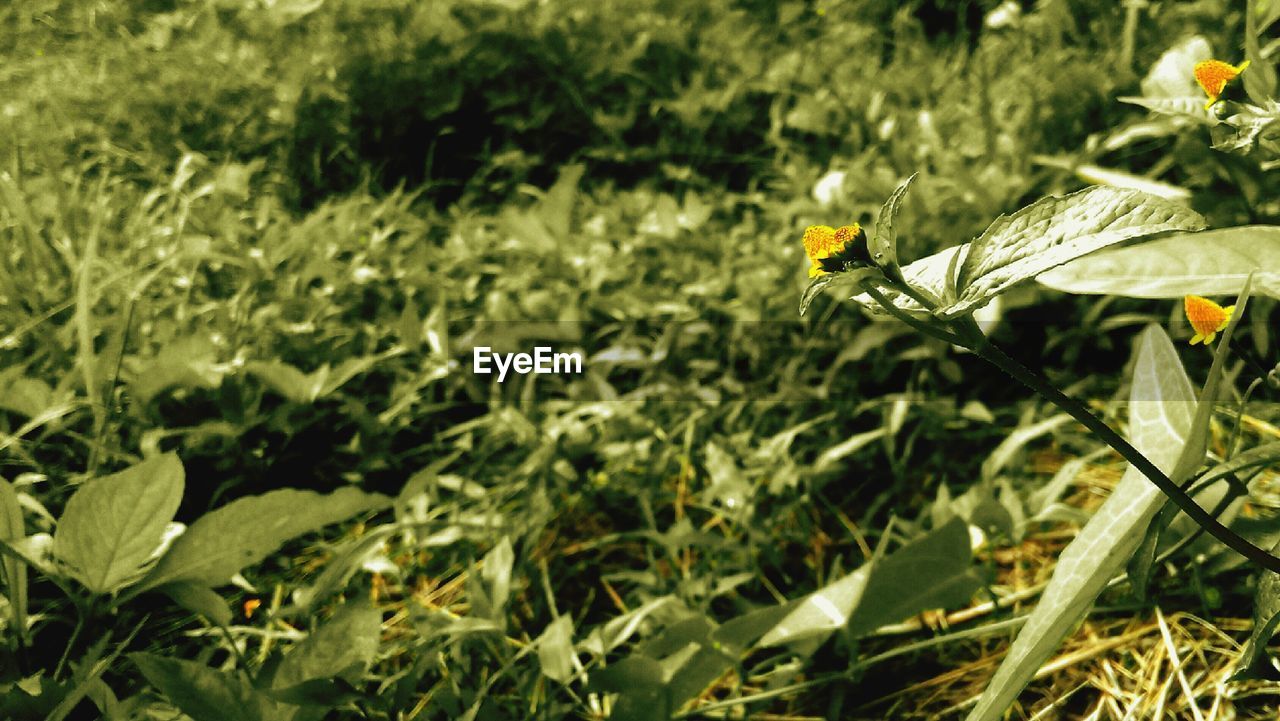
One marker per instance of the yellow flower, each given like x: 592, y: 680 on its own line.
x: 1208, y: 318
x: 1214, y: 76
x: 822, y: 242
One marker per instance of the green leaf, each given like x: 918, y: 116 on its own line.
x: 930, y: 274
x: 342, y: 647
x: 887, y: 590
x: 555, y: 649
x: 822, y: 612
x: 347, y: 559
x: 1160, y: 421
x: 884, y: 245
x: 113, y: 525
x: 832, y: 280
x: 206, y: 694
x: 247, y: 530
x: 288, y: 381
x: 1260, y: 76
x: 1209, y: 263
x: 642, y: 687
x: 190, y: 362
x: 201, y: 600
x: 1055, y: 230
x: 1189, y: 108
x: 1266, y: 618
x: 496, y: 573
x: 13, y: 572
x: 935, y: 571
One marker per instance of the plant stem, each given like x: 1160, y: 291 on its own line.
x: 924, y: 327
x: 1081, y: 413
x: 967, y: 335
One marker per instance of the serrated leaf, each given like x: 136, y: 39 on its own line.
x: 112, y: 525
x: 242, y: 533
x: 1189, y: 108
x: 1055, y: 230
x: 344, y: 646
x: 884, y: 245
x: 1208, y: 263
x: 200, y: 599
x: 1160, y: 421
x: 207, y: 694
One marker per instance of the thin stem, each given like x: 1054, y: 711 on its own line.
x: 75, y: 636
x: 922, y: 326
x: 1081, y: 413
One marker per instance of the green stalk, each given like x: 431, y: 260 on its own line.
x: 978, y: 343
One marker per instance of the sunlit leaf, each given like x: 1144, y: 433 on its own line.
x: 1209, y: 263
x: 245, y: 531
x: 884, y: 244
x: 112, y: 525
x: 1055, y: 230
x: 555, y: 649
x: 932, y: 572
x: 1160, y: 420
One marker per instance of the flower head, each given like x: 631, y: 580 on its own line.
x: 824, y: 243
x: 1208, y: 318
x: 1214, y: 76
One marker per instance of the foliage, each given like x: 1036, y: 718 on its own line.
x: 247, y: 250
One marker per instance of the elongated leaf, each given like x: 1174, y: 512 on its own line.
x: 824, y: 611
x: 344, y: 646
x: 884, y: 246
x: 1260, y: 76
x: 13, y: 572
x: 112, y: 525
x: 1190, y: 107
x: 1213, y: 262
x: 245, y: 531
x: 347, y: 559
x: 1160, y: 420
x: 1055, y: 230
x: 932, y: 572
x: 207, y: 694
x: 935, y: 571
x: 1266, y: 617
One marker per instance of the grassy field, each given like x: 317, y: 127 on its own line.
x: 249, y: 250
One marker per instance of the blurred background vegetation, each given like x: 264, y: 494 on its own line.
x: 265, y: 233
